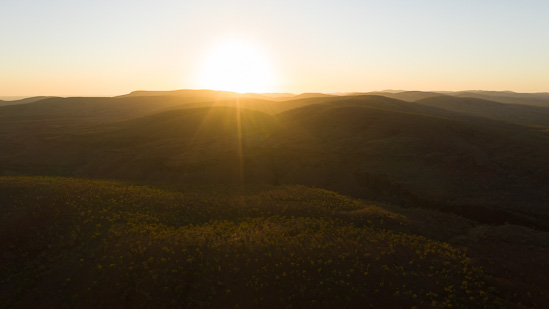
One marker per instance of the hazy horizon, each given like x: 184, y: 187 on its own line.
x: 62, y: 48
x: 15, y: 98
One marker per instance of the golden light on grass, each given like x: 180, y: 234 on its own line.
x: 236, y: 65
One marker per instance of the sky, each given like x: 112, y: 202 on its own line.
x: 106, y: 48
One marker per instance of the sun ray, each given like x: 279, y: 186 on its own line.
x: 239, y: 141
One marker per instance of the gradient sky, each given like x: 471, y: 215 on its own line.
x: 96, y: 47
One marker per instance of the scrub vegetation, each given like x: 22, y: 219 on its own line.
x: 224, y: 200
x: 72, y: 242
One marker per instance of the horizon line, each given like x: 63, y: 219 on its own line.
x: 21, y: 97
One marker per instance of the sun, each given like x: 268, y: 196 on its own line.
x: 237, y: 66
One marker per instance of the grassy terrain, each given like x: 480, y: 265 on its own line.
x: 71, y: 242
x: 219, y: 202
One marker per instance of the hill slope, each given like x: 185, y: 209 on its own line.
x: 386, y: 149
x: 514, y: 113
x: 69, y: 242
x: 23, y: 101
x: 535, y: 99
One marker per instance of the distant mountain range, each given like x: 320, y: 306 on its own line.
x: 536, y: 99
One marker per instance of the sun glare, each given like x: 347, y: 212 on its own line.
x: 236, y: 66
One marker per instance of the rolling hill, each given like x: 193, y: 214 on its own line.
x: 72, y: 242
x: 535, y: 99
x: 436, y: 150
x: 464, y: 172
x: 23, y: 101
x: 409, y: 96
x: 516, y: 113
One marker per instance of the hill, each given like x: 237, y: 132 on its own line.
x: 226, y: 180
x: 540, y: 99
x: 226, y: 95
x: 535, y: 99
x: 23, y: 101
x: 312, y: 95
x: 409, y: 152
x: 409, y: 96
x: 71, y: 242
x: 424, y: 154
x: 516, y: 113
x: 212, y: 95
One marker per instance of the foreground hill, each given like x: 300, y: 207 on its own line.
x: 81, y: 243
